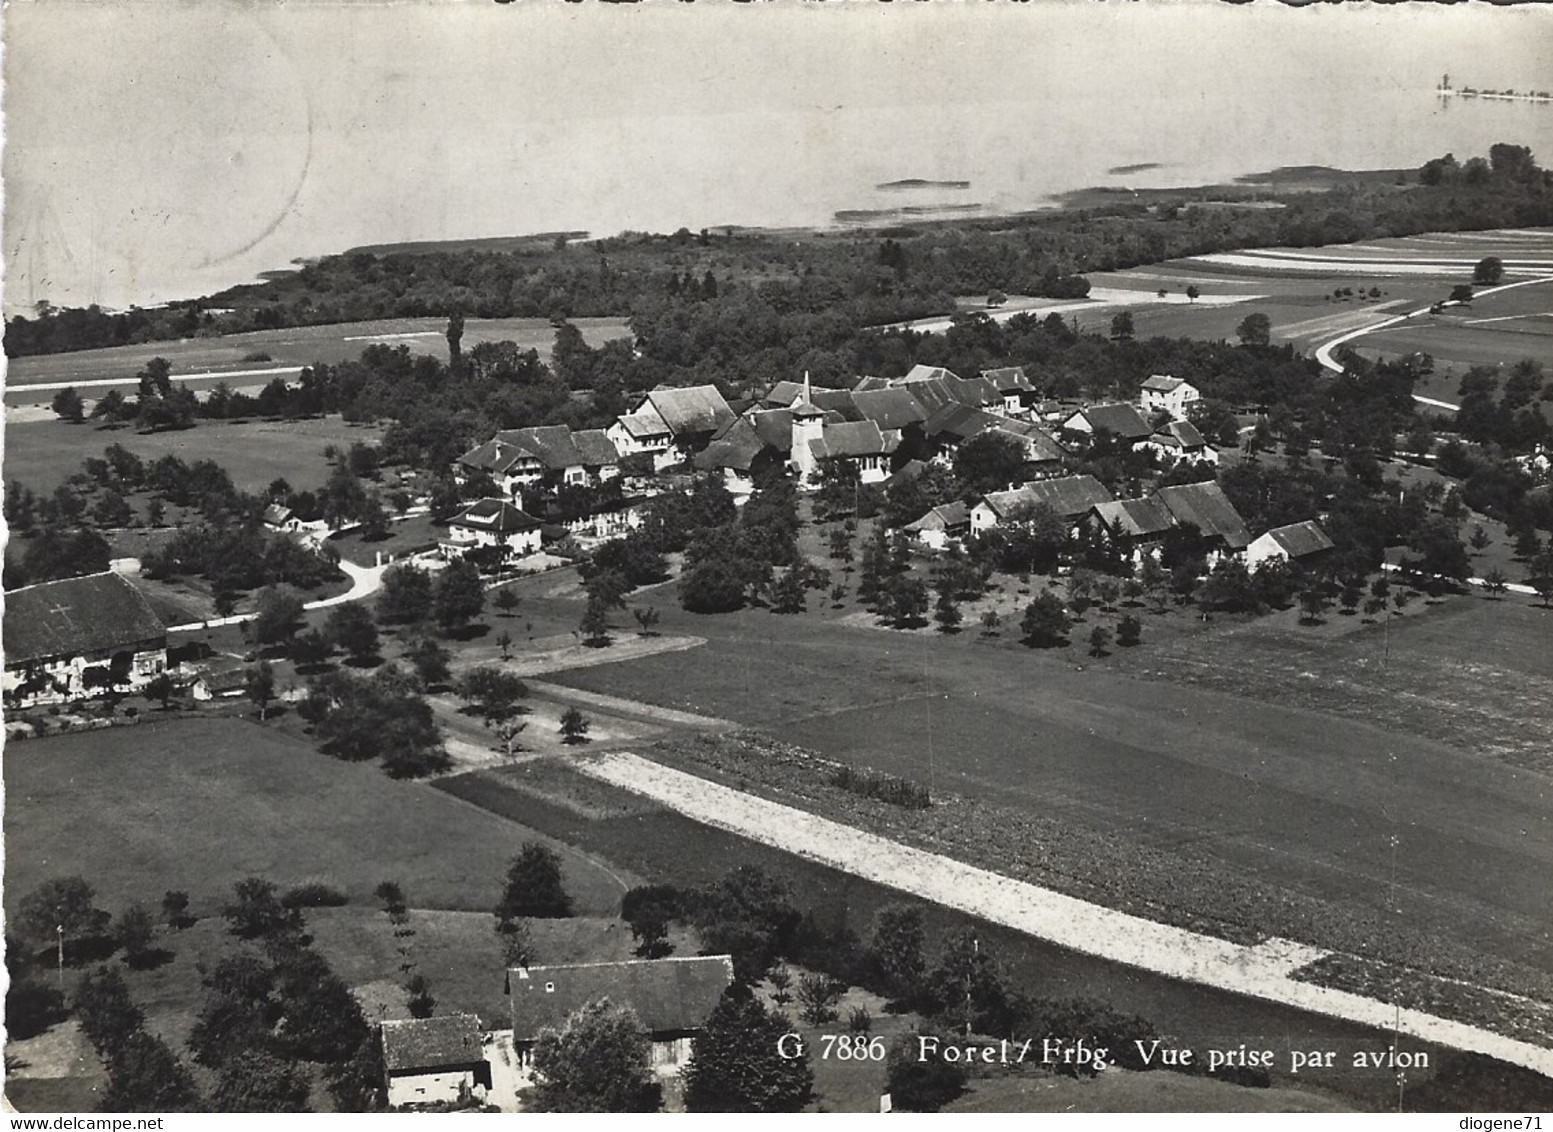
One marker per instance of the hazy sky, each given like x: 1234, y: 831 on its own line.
x: 157, y: 149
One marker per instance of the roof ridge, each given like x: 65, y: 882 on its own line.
x: 625, y: 963
x: 72, y: 578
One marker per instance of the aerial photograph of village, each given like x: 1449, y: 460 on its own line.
x: 793, y: 558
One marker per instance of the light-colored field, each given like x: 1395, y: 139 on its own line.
x: 287, y: 349
x: 43, y: 454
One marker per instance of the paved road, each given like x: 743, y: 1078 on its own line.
x: 365, y: 581
x: 1324, y: 351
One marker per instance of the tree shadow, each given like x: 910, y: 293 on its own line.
x: 371, y: 661
x: 467, y: 632
x: 149, y: 959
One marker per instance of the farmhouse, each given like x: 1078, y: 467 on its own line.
x: 76, y: 637
x: 1069, y: 496
x: 943, y: 524
x: 1206, y: 507
x: 1164, y: 394
x: 517, y: 457
x: 1121, y: 420
x: 671, y: 424
x: 1180, y: 440
x: 860, y: 443
x: 279, y: 517
x: 1013, y: 386
x: 1132, y: 526
x: 493, y: 522
x: 434, y: 1060
x: 672, y: 997
x: 1297, y: 542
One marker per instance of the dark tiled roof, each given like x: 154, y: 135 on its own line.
x: 1120, y: 419
x: 1180, y: 434
x: 944, y: 517
x: 431, y: 1043
x: 1207, y: 507
x: 906, y: 473
x: 1067, y: 496
x: 1008, y: 379
x: 551, y: 445
x: 494, y: 455
x: 495, y: 515
x: 1297, y: 540
x: 927, y: 373
x: 276, y: 514
x: 784, y: 394
x: 735, y: 447
x: 839, y: 400
x: 1163, y: 383
x: 961, y: 422
x: 73, y: 616
x: 889, y: 408
x: 668, y: 995
x: 693, y: 409
x: 640, y: 425
x: 595, y: 447
x: 1135, y: 518
x: 854, y: 438
x: 1038, y: 443
x: 774, y: 427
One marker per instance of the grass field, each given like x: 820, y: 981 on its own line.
x: 43, y: 454
x: 292, y: 346
x: 1276, y: 753
x: 200, y: 804
x: 1121, y: 1091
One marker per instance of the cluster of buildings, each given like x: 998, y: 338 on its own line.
x: 865, y: 432
x: 450, y: 1060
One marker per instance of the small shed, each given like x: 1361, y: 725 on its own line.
x: 434, y: 1060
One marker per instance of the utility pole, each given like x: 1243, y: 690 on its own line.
x: 59, y: 936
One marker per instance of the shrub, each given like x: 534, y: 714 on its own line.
x: 883, y: 787
x: 313, y: 896
x: 859, y: 1020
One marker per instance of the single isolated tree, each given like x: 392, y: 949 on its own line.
x: 737, y: 1062
x: 161, y: 689
x: 1496, y: 583
x: 600, y: 1060
x: 533, y: 888
x: 1129, y: 631
x: 896, y: 948
x: 504, y: 643
x: 1489, y: 270
x: 68, y: 406
x: 646, y: 619
x: 505, y: 601
x: 1045, y: 622
x: 175, y: 909
x: 574, y: 726
x: 1255, y: 330
x: 352, y: 627
x: 1099, y: 641
x: 135, y: 932
x: 918, y: 1084
x: 60, y: 912
x: 260, y: 685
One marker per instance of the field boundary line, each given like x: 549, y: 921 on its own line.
x: 1259, y: 971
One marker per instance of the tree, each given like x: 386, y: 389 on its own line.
x: 419, y: 997
x: 430, y: 661
x: 594, y: 626
x: 1461, y: 293
x: 737, y: 1062
x: 1541, y: 576
x: 260, y: 686
x: 533, y: 886
x: 947, y: 613
x: 134, y: 932
x: 646, y: 619
x: 144, y: 1075
x: 1479, y: 540
x: 280, y: 612
x: 460, y: 595
x: 1045, y: 622
x: 505, y: 601
x: 896, y: 948
x: 68, y: 406
x: 1192, y: 292
x: 517, y: 945
x: 1099, y: 641
x: 1121, y: 326
x: 406, y: 596
x: 1129, y: 631
x: 504, y: 644
x: 817, y: 998
x: 921, y: 1084
x: 600, y: 1060
x: 103, y: 1008
x: 1489, y: 270
x: 455, y: 336
x: 175, y: 909
x: 161, y: 689
x: 1496, y: 583
x: 1313, y: 603
x: 312, y: 648
x: 353, y: 629
x: 60, y: 912
x: 495, y: 694
x: 987, y: 463
x: 257, y: 913
x: 574, y: 726
x: 1255, y: 330
x: 255, y: 1081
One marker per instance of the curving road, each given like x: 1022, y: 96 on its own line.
x: 1324, y: 351
x: 365, y: 581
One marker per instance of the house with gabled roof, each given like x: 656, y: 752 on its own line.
x: 1162, y: 393
x: 860, y: 443
x: 1180, y: 440
x: 1120, y: 419
x: 493, y: 522
x: 946, y: 523
x: 1069, y: 496
x: 1304, y: 542
x: 1131, y: 526
x: 671, y: 424
x: 1205, y: 506
x: 428, y: 1061
x: 1013, y: 386
x: 890, y: 408
x: 78, y: 637
x: 672, y: 997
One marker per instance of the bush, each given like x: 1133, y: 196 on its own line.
x: 859, y: 1020
x: 917, y: 1083
x: 313, y: 896
x: 883, y: 787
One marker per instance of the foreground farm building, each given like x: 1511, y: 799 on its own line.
x: 434, y: 1060
x: 1297, y: 542
x: 672, y: 997
x: 77, y: 637
x: 1069, y: 496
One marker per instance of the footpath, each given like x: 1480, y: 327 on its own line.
x: 1263, y: 971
